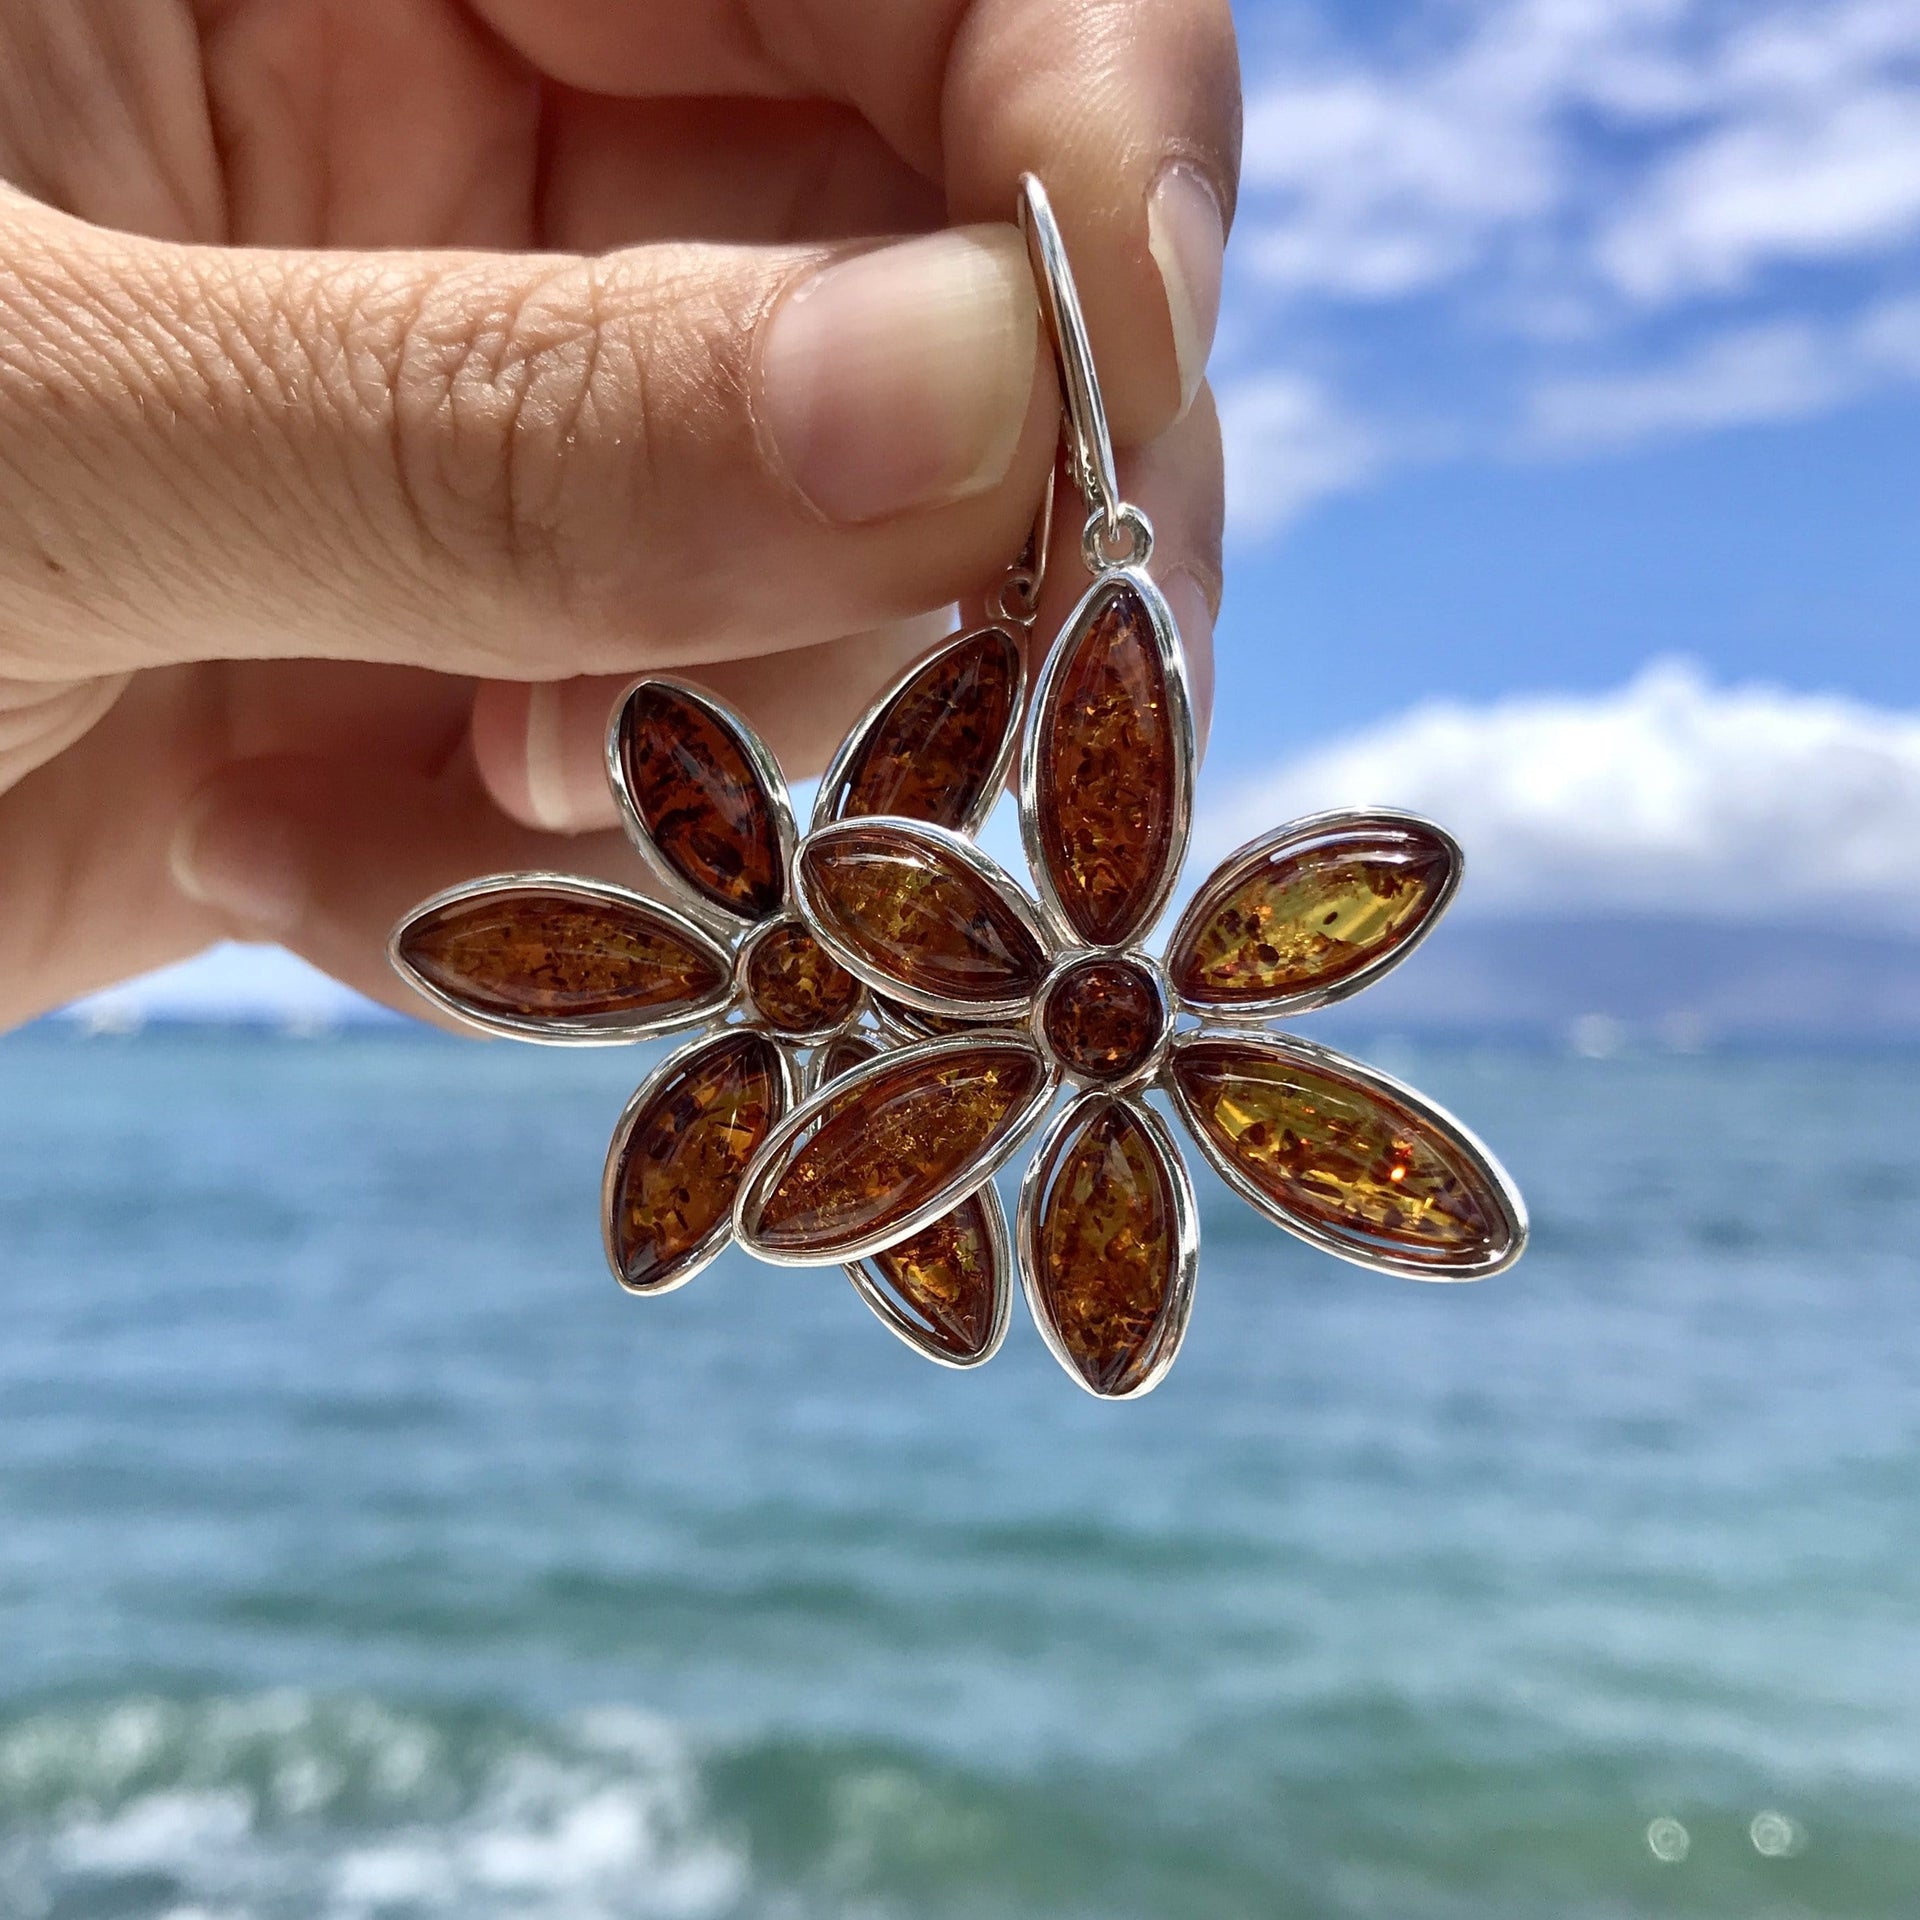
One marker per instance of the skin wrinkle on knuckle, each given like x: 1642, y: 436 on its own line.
x: 519, y: 420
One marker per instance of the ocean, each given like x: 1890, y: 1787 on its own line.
x: 366, y: 1555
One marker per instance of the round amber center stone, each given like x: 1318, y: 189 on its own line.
x: 795, y: 985
x: 1103, y: 1019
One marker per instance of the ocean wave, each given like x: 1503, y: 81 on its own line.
x: 271, y: 1806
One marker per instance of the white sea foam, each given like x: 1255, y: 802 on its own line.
x: 350, y: 1810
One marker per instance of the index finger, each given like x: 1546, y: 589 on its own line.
x: 1129, y: 110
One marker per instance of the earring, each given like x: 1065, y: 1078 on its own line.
x: 932, y: 1012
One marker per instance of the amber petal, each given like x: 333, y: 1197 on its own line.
x: 1109, y: 1263
x: 679, y: 1155
x: 936, y: 748
x: 882, y: 1151
x: 918, y: 912
x: 702, y: 795
x: 1109, y: 779
x: 1346, y: 1157
x: 944, y: 1289
x: 561, y: 959
x: 1311, y: 913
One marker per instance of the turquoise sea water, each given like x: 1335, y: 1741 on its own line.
x: 365, y: 1555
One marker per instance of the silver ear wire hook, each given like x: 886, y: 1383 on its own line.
x: 1116, y: 533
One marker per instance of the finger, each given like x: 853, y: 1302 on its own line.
x: 1129, y: 110
x: 325, y: 856
x: 1179, y: 483
x: 540, y: 749
x: 617, y: 173
x: 497, y: 463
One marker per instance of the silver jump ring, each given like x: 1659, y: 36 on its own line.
x: 1089, y: 442
x: 1128, y: 544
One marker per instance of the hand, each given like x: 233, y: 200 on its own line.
x: 384, y: 381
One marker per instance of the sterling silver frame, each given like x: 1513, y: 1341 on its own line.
x: 1309, y: 1054
x: 873, y: 1290
x: 701, y: 1256
x: 767, y: 1166
x: 964, y: 853
x: 839, y: 769
x: 1034, y: 1183
x: 750, y: 1014
x: 766, y: 769
x: 1173, y: 669
x: 601, y: 1030
x: 1233, y: 870
x: 1139, y: 961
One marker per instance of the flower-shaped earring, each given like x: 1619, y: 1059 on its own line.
x: 1059, y: 990
x: 571, y: 961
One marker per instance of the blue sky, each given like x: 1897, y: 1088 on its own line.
x: 1566, y: 334
x: 1570, y: 371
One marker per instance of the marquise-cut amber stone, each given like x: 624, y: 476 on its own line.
x: 1370, y: 1170
x: 701, y: 800
x: 944, y: 1279
x: 681, y: 1162
x: 1102, y: 1019
x: 931, y: 752
x: 927, y: 1025
x: 885, y: 1146
x: 1106, y: 1249
x: 1107, y: 797
x: 540, y: 953
x: 795, y: 985
x: 915, y: 912
x: 1297, y: 918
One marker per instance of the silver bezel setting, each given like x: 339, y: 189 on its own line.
x: 765, y: 768
x: 1325, y: 1060
x: 1064, y: 1126
x: 767, y: 1165
x: 873, y: 1290
x: 600, y: 1030
x: 1236, y: 867
x: 701, y: 1256
x: 839, y: 771
x: 944, y: 843
x: 750, y: 1014
x: 1067, y: 962
x: 1035, y: 746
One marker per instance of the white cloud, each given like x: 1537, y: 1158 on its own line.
x: 1655, y: 147
x: 1288, y: 443
x: 1669, y: 795
x: 1796, y: 183
x: 1783, y: 370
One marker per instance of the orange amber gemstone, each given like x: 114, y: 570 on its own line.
x: 1305, y: 914
x: 795, y: 985
x: 1106, y: 1249
x: 701, y: 801
x: 679, y: 1165
x: 1109, y: 777
x: 1103, y: 1018
x: 911, y: 909
x: 1328, y: 1150
x: 537, y: 952
x: 943, y: 1279
x: 889, y: 1143
x: 931, y: 753
x: 927, y: 1025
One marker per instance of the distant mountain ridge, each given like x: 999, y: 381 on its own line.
x: 1659, y: 979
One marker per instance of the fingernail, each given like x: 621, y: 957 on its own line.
x: 241, y: 862
x: 547, y: 759
x: 1187, y: 600
x: 1188, y: 239
x: 900, y: 378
